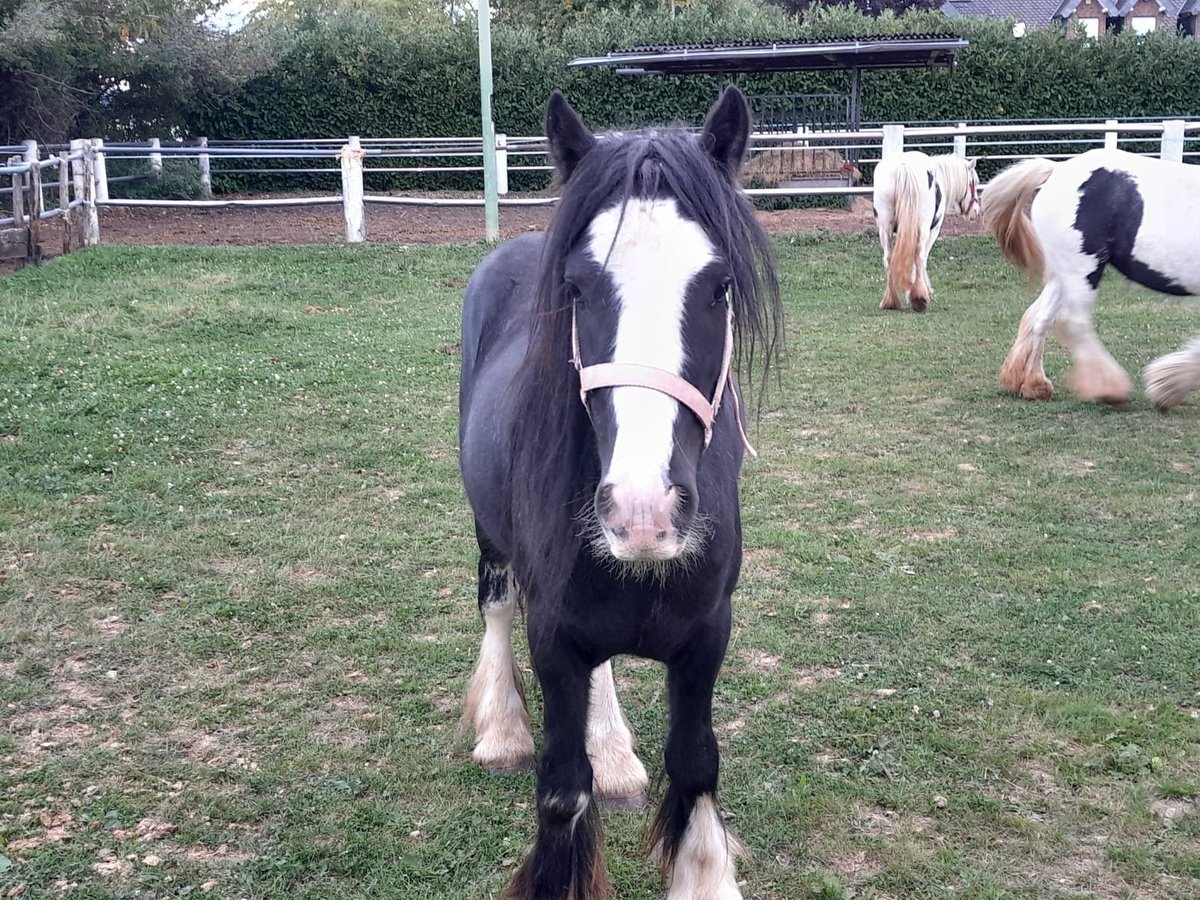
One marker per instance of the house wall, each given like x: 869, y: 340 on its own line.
x: 1089, y: 9
x: 1148, y: 8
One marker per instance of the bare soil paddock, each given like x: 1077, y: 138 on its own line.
x: 391, y: 224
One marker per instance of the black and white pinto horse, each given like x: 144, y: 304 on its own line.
x: 604, y: 482
x: 913, y: 194
x: 1104, y: 207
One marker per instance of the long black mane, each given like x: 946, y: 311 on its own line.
x: 555, y: 466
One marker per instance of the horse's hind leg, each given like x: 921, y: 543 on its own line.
x: 923, y: 271
x: 496, y: 697
x: 1022, y: 372
x: 619, y: 778
x: 883, y: 221
x: 922, y: 291
x: 689, y: 837
x: 1172, y: 377
x: 1095, y: 375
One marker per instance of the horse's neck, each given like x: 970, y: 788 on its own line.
x: 952, y: 172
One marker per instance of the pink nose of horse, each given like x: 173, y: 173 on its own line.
x: 638, y: 523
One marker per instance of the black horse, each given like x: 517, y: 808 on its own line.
x: 605, y: 492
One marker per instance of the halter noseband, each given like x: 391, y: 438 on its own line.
x: 607, y: 375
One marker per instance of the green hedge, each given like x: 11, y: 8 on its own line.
x: 353, y: 75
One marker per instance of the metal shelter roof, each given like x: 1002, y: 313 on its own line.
x: 902, y: 51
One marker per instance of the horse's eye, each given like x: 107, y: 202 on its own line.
x: 722, y: 289
x: 572, y: 292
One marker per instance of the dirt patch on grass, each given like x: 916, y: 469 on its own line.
x: 932, y: 537
x: 1170, y: 809
x: 810, y: 678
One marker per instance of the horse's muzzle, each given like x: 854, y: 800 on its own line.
x: 639, y: 525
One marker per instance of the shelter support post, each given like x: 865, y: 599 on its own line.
x: 852, y: 156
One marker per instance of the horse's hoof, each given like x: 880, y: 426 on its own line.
x: 918, y: 303
x: 1041, y: 389
x: 623, y: 804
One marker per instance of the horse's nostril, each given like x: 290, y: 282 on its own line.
x: 621, y: 531
x: 660, y: 536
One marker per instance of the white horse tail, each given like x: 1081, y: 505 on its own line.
x: 1006, y: 213
x: 906, y: 215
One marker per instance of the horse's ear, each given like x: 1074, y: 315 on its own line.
x: 727, y: 130
x: 569, y: 138
x: 971, y: 162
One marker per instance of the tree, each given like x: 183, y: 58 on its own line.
x: 75, y: 67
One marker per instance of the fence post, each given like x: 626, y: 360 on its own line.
x: 34, y: 248
x: 78, y: 177
x: 155, y: 158
x: 1172, y: 140
x: 31, y: 156
x: 1110, y: 137
x: 893, y: 140
x: 91, y: 216
x: 18, y: 193
x: 502, y: 164
x: 64, y: 199
x: 100, y: 170
x: 205, y: 172
x: 960, y: 141
x: 352, y: 192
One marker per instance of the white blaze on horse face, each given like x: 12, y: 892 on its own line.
x: 652, y: 260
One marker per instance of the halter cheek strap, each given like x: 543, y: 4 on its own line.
x: 607, y: 375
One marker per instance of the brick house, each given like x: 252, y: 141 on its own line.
x: 1094, y: 17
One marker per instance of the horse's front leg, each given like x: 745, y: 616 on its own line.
x: 1094, y: 375
x: 690, y: 840
x: 1023, y: 372
x: 566, y: 862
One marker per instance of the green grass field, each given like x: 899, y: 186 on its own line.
x: 237, y: 601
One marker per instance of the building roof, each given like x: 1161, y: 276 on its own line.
x: 1040, y: 13
x: 872, y: 52
x: 1035, y: 13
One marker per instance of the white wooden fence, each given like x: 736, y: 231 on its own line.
x: 359, y: 158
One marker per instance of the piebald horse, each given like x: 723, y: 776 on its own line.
x: 601, y: 441
x: 1103, y: 207
x: 913, y: 194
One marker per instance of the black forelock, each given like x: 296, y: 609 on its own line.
x: 555, y: 464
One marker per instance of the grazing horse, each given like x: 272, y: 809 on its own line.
x: 913, y: 193
x: 1103, y: 207
x: 602, y: 470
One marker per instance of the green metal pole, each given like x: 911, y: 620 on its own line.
x: 491, y: 193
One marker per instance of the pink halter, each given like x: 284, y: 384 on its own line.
x: 604, y: 375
